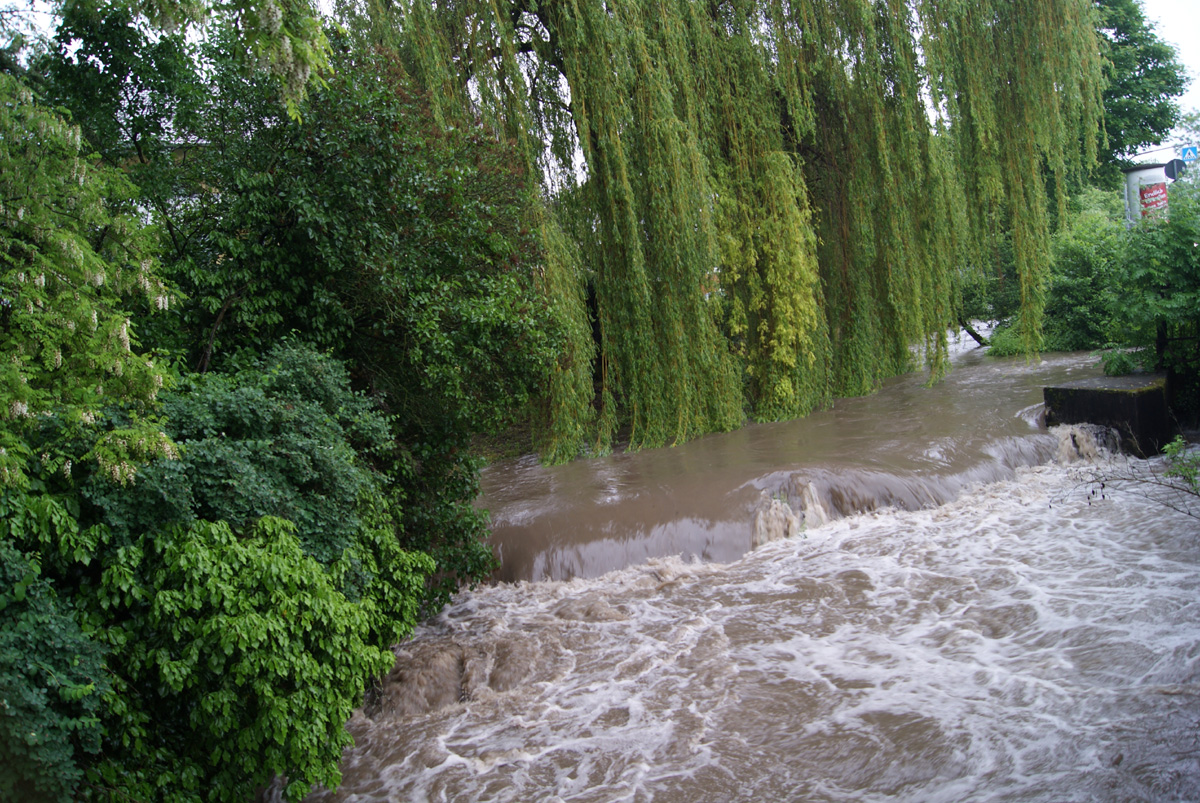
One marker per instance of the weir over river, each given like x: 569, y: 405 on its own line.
x: 905, y: 598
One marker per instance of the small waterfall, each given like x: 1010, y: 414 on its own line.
x: 823, y: 496
x: 1087, y: 443
x: 774, y: 521
x: 815, y: 513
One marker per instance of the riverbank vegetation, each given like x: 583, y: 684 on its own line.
x: 263, y: 281
x: 1129, y: 290
x: 244, y: 354
x: 1133, y: 293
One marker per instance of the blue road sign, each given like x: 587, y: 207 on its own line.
x: 1188, y: 153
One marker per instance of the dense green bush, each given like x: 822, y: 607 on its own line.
x: 1183, y: 464
x: 285, y: 438
x: 1134, y: 291
x: 1087, y: 253
x: 51, y: 684
x: 282, y: 438
x: 1156, y: 305
x: 237, y: 659
x: 236, y: 641
x: 1005, y: 341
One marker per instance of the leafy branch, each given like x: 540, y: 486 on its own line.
x: 1172, y: 481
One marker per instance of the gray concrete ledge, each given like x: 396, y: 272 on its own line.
x: 1134, y: 405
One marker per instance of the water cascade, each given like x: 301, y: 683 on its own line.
x: 911, y: 597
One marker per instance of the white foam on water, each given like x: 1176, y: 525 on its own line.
x: 1025, y: 642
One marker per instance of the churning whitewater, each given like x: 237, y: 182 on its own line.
x: 1028, y: 639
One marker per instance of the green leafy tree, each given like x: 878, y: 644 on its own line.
x: 1188, y: 131
x: 1144, y: 80
x: 766, y: 216
x: 124, y: 84
x: 423, y: 271
x: 1157, y: 305
x: 285, y: 39
x: 439, y: 267
x: 72, y: 252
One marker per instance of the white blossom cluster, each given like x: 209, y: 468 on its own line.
x: 120, y: 472
x: 270, y: 16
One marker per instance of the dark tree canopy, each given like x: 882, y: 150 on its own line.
x: 1143, y: 81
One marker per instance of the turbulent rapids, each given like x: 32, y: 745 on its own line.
x: 815, y: 612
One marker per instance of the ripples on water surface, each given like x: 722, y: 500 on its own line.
x: 906, y: 446
x: 1020, y: 643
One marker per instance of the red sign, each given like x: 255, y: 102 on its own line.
x: 1154, y: 198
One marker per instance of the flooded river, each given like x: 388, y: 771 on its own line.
x: 904, y: 598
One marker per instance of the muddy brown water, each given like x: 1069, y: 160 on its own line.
x: 909, y: 597
x: 908, y: 446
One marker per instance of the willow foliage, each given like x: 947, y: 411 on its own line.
x: 768, y: 203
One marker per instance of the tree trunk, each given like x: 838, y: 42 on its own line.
x: 980, y: 339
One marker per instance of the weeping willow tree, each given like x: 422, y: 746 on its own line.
x: 753, y: 206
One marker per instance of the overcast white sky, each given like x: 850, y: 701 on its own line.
x: 1178, y: 22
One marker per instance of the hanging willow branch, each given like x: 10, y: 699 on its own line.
x: 771, y: 202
